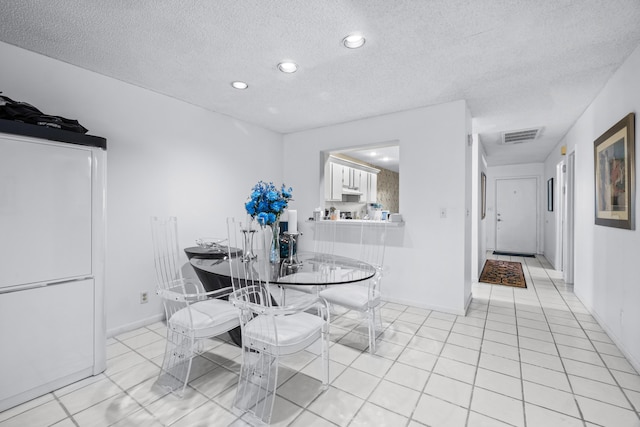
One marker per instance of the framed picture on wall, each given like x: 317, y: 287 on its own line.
x: 483, y: 195
x: 614, y: 173
x: 550, y: 195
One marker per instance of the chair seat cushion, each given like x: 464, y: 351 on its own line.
x: 210, y: 317
x: 292, y: 329
x: 307, y: 289
x: 351, y: 296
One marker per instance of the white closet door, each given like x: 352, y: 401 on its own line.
x: 45, y: 211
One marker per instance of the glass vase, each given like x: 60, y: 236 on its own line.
x: 274, y: 253
x: 248, y: 232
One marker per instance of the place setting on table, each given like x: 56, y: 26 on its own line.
x: 209, y: 248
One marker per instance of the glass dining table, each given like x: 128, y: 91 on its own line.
x: 309, y: 269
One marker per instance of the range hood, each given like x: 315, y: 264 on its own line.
x: 351, y: 191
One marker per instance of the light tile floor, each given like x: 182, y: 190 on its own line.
x: 521, y: 357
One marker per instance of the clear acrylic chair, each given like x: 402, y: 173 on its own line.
x: 269, y: 331
x: 364, y: 297
x: 192, y: 314
x: 324, y: 237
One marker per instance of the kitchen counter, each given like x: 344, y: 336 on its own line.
x: 341, y: 222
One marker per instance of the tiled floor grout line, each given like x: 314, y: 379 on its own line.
x: 409, y: 418
x: 515, y: 316
x: 604, y: 364
x: 144, y: 407
x: 555, y: 344
x: 475, y: 375
x: 345, y: 391
x: 66, y: 411
x: 72, y: 416
x: 512, y: 292
x: 431, y: 370
x: 365, y: 351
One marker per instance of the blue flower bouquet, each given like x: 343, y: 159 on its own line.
x: 266, y: 203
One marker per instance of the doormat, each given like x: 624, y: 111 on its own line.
x: 514, y: 254
x: 506, y: 273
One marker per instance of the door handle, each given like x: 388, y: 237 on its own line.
x: 498, y: 220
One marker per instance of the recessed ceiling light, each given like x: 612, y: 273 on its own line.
x: 353, y: 41
x: 239, y: 85
x: 287, y: 67
x: 373, y: 154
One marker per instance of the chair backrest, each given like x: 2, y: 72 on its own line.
x: 373, y: 239
x: 324, y: 237
x: 166, y: 253
x: 172, y: 288
x: 254, y: 272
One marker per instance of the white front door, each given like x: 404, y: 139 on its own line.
x: 516, y: 215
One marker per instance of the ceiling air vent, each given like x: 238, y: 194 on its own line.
x: 518, y: 136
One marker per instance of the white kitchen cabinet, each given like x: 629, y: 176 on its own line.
x: 343, y: 177
x: 362, y: 185
x: 333, y: 181
x: 351, y: 178
x: 372, y: 187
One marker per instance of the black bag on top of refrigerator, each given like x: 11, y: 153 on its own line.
x: 27, y: 113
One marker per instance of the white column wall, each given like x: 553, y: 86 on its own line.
x: 426, y: 257
x: 606, y: 259
x: 164, y: 157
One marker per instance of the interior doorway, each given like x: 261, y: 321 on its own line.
x: 517, y: 215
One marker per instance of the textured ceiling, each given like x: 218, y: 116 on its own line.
x: 519, y: 64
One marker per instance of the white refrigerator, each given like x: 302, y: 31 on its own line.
x: 52, y: 251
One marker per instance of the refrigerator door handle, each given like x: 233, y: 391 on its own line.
x: 20, y: 288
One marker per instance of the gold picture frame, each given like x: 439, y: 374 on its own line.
x: 614, y: 173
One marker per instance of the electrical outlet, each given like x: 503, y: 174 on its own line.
x: 144, y: 297
x: 443, y: 212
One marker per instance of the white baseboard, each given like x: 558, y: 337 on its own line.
x: 468, y: 301
x: 135, y: 325
x: 413, y: 303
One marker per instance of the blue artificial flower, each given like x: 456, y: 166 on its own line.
x: 272, y: 196
x: 278, y: 205
x: 266, y: 202
x: 250, y: 207
x: 263, y: 218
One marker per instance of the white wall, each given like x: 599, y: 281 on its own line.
x: 606, y: 259
x: 165, y: 157
x: 426, y: 256
x: 529, y: 170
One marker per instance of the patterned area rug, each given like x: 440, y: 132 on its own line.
x: 506, y: 273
